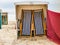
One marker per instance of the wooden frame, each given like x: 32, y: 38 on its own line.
x: 19, y: 12
x: 32, y: 22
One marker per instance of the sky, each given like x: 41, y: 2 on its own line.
x: 8, y: 6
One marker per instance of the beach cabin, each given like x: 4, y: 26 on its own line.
x: 4, y: 18
x: 31, y: 18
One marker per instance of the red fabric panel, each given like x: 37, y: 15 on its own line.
x: 53, y: 26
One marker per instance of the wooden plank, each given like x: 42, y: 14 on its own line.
x: 32, y: 24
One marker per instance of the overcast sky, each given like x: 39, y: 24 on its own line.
x: 8, y: 6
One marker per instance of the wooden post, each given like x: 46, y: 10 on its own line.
x: 21, y: 22
x: 44, y: 24
x: 32, y: 23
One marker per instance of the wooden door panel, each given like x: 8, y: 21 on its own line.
x: 38, y: 23
x: 26, y: 23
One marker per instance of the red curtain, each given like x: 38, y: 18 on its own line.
x: 53, y: 26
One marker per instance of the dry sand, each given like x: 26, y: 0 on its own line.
x: 8, y: 36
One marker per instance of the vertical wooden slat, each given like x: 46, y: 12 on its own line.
x: 43, y: 21
x: 32, y: 23
x: 21, y: 22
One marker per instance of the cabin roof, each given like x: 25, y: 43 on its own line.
x: 4, y: 13
x: 30, y: 3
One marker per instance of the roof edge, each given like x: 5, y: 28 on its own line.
x: 30, y: 3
